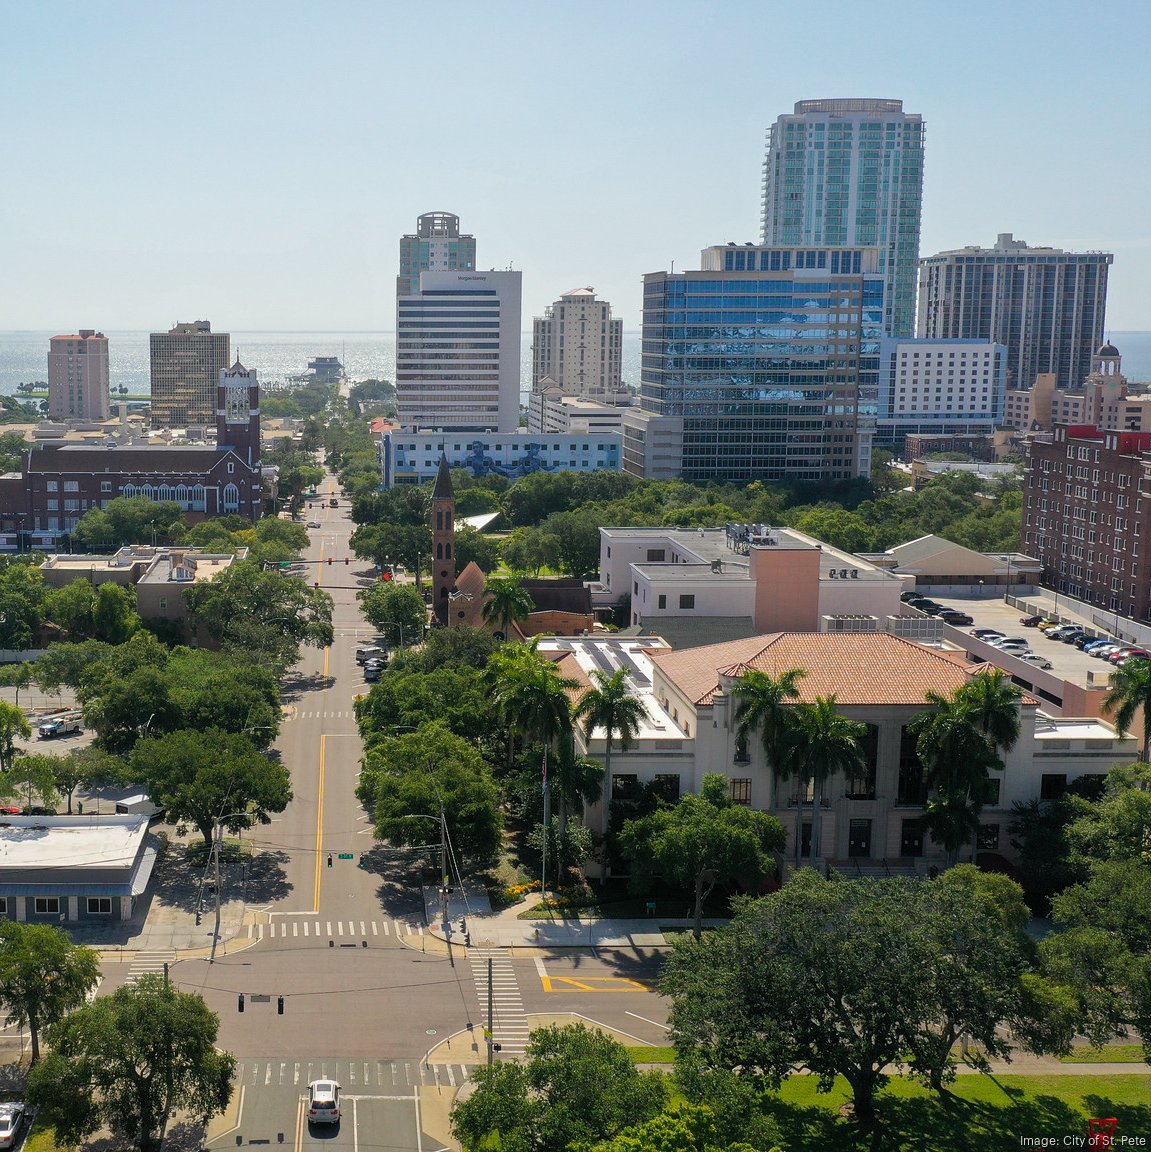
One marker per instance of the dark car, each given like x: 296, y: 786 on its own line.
x: 907, y: 597
x: 1030, y: 621
x: 949, y: 616
x: 1085, y: 639
x: 37, y: 811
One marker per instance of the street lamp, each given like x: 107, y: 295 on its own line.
x: 217, y: 841
x: 1007, y: 590
x: 397, y: 624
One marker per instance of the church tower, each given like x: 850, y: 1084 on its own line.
x: 238, y: 413
x: 443, y: 560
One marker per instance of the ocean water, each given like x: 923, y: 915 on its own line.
x: 278, y: 355
x: 274, y: 355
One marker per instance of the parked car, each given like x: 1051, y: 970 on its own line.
x: 370, y: 652
x: 1034, y: 658
x: 950, y: 616
x: 1086, y: 639
x: 1000, y: 641
x: 1123, y: 653
x: 1094, y: 644
x: 372, y: 672
x: 11, y: 810
x: 1102, y: 651
x: 62, y: 725
x: 1064, y: 632
x: 1030, y: 621
x: 1073, y: 635
x: 985, y: 633
x: 1014, y: 649
x: 1133, y: 656
x: 323, y: 1102
x: 11, y: 1121
x: 1051, y: 626
x: 34, y: 810
x: 910, y: 595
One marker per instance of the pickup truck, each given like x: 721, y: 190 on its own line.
x: 333, y: 503
x: 60, y: 725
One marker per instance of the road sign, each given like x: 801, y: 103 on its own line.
x: 347, y: 855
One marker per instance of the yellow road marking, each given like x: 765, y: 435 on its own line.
x: 593, y: 984
x: 299, y: 1123
x: 320, y: 823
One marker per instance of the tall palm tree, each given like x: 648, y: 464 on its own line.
x: 958, y: 758
x: 1130, y: 693
x: 505, y: 601
x: 820, y: 743
x: 763, y: 706
x: 611, y: 707
x: 993, y: 702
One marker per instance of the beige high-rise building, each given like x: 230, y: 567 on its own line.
x: 78, y: 376
x: 186, y: 364
x: 579, y: 346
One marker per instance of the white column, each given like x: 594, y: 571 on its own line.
x: 73, y: 908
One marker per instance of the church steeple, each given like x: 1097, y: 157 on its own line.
x: 443, y: 541
x: 238, y: 412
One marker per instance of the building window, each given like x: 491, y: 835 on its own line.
x: 687, y: 601
x: 3, y: 905
x: 47, y: 905
x: 911, y: 839
x: 656, y: 555
x: 624, y: 786
x: 912, y: 788
x: 741, y: 791
x: 989, y: 837
x: 105, y: 485
x: 666, y: 786
x: 1052, y: 785
x: 99, y: 905
x: 662, y: 601
x: 991, y: 792
x: 71, y: 485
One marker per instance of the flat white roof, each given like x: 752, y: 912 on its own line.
x: 99, y: 842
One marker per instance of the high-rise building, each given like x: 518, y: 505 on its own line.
x: 186, y: 364
x: 78, y: 376
x: 1046, y: 305
x: 579, y: 346
x: 770, y: 358
x: 435, y: 246
x: 848, y: 174
x: 458, y: 352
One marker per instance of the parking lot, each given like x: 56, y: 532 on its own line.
x: 1068, y: 662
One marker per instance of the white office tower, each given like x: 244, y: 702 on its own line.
x: 458, y: 352
x: 846, y: 174
x: 579, y: 346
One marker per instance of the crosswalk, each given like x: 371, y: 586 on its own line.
x: 146, y: 963
x: 509, y: 1020
x: 296, y: 715
x: 352, y: 1075
x: 321, y: 931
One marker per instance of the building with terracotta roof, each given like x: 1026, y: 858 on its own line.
x: 872, y: 821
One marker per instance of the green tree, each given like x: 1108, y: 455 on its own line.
x: 395, y: 610
x: 128, y: 520
x: 43, y: 976
x: 122, y: 709
x: 472, y: 546
x: 73, y: 608
x: 262, y: 615
x: 32, y: 779
x: 22, y: 594
x: 114, y: 615
x: 18, y: 676
x: 506, y: 601
x: 125, y: 1061
x: 90, y: 767
x: 462, y: 646
x: 427, y: 772
x: 456, y: 694
x: 992, y: 702
x: 205, y: 776
x: 1128, y: 697
x: 844, y: 978
x: 13, y: 725
x: 610, y: 707
x: 703, y: 841
x: 820, y: 743
x: 678, y: 1128
x: 576, y: 1086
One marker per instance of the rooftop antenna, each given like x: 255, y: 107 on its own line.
x: 673, y: 267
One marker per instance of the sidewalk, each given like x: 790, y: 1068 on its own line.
x: 485, y: 928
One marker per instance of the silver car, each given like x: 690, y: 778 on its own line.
x: 11, y: 1121
x: 323, y: 1102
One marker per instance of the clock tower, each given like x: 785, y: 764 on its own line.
x: 443, y: 559
x: 238, y: 413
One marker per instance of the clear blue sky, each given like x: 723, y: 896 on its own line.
x: 254, y: 162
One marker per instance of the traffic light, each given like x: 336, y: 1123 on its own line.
x: 329, y: 559
x: 347, y: 560
x: 279, y: 1005
x: 240, y: 1003
x: 329, y: 859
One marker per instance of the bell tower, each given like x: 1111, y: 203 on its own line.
x: 238, y: 413
x: 443, y: 561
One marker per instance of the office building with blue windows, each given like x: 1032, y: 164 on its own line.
x: 768, y: 358
x: 849, y: 174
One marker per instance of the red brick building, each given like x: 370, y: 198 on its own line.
x: 1088, y: 496
x: 59, y: 483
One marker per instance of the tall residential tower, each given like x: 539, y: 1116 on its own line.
x: 78, y: 376
x: 436, y: 245
x: 848, y: 174
x: 1046, y: 305
x: 578, y: 344
x: 186, y: 364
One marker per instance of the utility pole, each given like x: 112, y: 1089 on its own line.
x: 443, y: 872
x: 491, y: 1017
x: 216, y: 855
x: 547, y: 831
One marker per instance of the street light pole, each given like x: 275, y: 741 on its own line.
x: 217, y: 841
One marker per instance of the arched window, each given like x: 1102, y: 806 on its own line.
x: 439, y: 551
x: 199, y: 504
x: 231, y: 498
x: 448, y: 551
x: 182, y: 494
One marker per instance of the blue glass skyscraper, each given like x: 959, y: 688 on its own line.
x: 770, y: 357
x: 849, y: 173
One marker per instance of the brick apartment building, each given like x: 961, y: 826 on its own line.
x: 1088, y: 497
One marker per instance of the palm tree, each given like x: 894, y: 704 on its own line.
x: 505, y: 601
x: 611, y: 707
x: 764, y: 706
x: 993, y: 702
x: 958, y: 758
x: 1130, y: 693
x: 819, y: 743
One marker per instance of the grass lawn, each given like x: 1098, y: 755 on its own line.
x: 1108, y: 1054
x: 983, y: 1113
x: 42, y: 1138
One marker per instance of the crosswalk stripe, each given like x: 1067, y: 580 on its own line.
x: 376, y: 930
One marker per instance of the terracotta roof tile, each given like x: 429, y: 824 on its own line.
x: 858, y: 667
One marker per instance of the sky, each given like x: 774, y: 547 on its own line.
x: 254, y: 162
